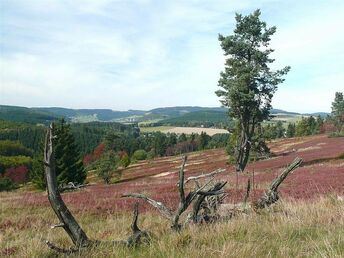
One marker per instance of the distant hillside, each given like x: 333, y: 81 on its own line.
x: 78, y: 115
x: 187, y: 115
x: 207, y: 118
x: 27, y: 115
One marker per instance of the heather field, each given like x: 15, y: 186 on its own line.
x: 309, y: 220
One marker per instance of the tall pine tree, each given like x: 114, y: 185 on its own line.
x: 247, y: 82
x: 69, y: 167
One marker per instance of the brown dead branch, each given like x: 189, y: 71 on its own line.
x: 184, y: 201
x: 212, y: 174
x: 166, y: 212
x: 71, y: 187
x: 67, y: 221
x: 271, y: 195
x: 248, y: 190
x: 210, y: 207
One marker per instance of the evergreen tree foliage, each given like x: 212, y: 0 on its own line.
x: 338, y: 111
x: 69, y: 167
x: 247, y: 82
x: 107, y: 165
x: 291, y: 130
x: 37, y: 175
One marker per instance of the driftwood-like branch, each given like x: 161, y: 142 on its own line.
x: 215, y: 190
x: 166, y: 212
x: 71, y: 187
x: 271, y: 195
x: 67, y: 221
x: 184, y: 201
x: 212, y: 174
x: 72, y: 228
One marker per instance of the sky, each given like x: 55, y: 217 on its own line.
x: 143, y: 54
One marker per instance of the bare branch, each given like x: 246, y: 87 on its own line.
x: 61, y: 250
x: 72, y: 228
x: 166, y: 212
x: 61, y: 225
x: 216, y: 189
x: 271, y: 195
x: 67, y: 221
x: 181, y: 180
x: 71, y: 187
x: 248, y: 189
x: 215, y: 172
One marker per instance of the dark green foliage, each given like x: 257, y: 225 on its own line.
x: 219, y: 140
x: 291, y: 130
x: 309, y: 126
x: 89, y: 135
x: 14, y: 161
x: 280, y: 131
x: 338, y: 111
x: 107, y: 165
x: 69, y: 167
x: 37, y: 173
x: 182, y: 137
x: 259, y: 147
x: 203, y: 140
x: 28, y: 135
x: 139, y: 155
x: 125, y: 160
x: 27, y: 115
x: 247, y: 83
x: 207, y: 119
x: 11, y: 148
x: 160, y: 144
x: 6, y: 184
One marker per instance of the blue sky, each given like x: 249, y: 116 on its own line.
x: 143, y: 54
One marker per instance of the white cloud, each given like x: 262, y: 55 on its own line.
x: 145, y: 54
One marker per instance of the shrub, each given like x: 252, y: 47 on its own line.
x: 6, y: 184
x: 139, y: 155
x: 125, y: 160
x: 17, y: 174
x: 106, y: 166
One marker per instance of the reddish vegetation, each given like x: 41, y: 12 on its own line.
x: 97, y: 153
x: 17, y: 174
x: 321, y: 173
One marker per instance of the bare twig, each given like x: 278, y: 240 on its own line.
x: 248, y: 189
x: 166, y: 212
x: 71, y: 187
x: 215, y: 172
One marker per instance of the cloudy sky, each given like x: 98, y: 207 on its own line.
x: 143, y: 54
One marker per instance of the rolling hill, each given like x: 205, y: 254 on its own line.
x: 196, y: 115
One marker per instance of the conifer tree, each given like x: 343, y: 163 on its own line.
x: 69, y: 167
x: 338, y: 110
x: 247, y: 82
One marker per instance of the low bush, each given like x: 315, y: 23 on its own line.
x: 6, y: 184
x: 139, y: 155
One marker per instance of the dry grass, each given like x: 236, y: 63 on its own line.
x: 290, y: 229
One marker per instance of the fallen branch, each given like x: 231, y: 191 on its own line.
x: 166, y: 212
x: 200, y: 201
x: 71, y: 187
x: 271, y: 195
x: 184, y: 201
x: 212, y: 174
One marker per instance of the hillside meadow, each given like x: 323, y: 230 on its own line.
x: 308, y: 221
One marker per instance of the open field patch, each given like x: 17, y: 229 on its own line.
x: 309, y: 198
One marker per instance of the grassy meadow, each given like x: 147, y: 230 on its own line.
x: 290, y: 229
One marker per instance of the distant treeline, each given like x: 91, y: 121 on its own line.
x: 87, y: 135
